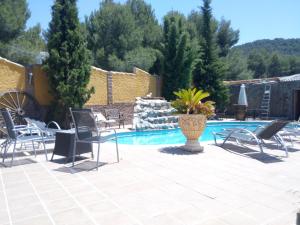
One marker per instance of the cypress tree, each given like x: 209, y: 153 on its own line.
x: 68, y: 66
x: 210, y: 71
x: 179, y: 56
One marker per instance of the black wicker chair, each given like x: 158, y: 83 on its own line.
x: 86, y: 131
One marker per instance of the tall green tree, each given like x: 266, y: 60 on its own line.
x: 111, y: 34
x: 13, y: 17
x: 179, y: 55
x: 257, y: 64
x: 237, y: 67
x: 146, y: 22
x: 116, y: 31
x: 274, y: 68
x: 294, y: 63
x: 26, y: 47
x: 226, y: 37
x: 210, y: 73
x: 68, y: 65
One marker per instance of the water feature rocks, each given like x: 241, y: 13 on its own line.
x: 154, y: 113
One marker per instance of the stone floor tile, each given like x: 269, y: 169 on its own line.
x: 237, y: 218
x: 23, y: 202
x: 39, y: 220
x: 19, y: 191
x: 60, y: 205
x: 114, y: 218
x: 70, y: 216
x: 4, y: 218
x: 163, y: 219
x: 259, y: 212
x: 213, y: 222
x: 190, y: 215
x: 27, y: 212
x: 57, y: 194
x: 101, y: 207
x: 90, y: 197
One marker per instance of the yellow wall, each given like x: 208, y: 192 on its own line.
x: 127, y: 86
x: 41, y: 87
x: 12, y: 76
x: 98, y: 79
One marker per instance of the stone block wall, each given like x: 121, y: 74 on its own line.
x: 12, y: 76
x: 282, y: 97
x: 110, y: 87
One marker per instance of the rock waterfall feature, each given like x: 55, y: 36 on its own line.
x: 154, y: 114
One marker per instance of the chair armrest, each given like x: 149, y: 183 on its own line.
x: 55, y: 124
x: 108, y: 130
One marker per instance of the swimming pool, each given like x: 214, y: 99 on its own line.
x: 174, y: 136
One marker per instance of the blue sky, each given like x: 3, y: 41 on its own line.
x: 256, y: 19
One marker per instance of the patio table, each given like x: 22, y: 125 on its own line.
x: 64, y: 143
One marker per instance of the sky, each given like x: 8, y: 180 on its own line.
x: 256, y: 19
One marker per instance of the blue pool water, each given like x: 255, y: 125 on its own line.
x: 174, y: 136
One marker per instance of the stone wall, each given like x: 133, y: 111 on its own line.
x: 110, y: 87
x: 12, y: 76
x: 282, y: 97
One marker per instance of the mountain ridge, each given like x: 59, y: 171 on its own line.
x: 282, y: 46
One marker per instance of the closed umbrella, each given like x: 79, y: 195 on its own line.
x: 243, y: 96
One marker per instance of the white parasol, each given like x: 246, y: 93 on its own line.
x: 243, y: 96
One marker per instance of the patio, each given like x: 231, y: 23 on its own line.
x: 154, y: 186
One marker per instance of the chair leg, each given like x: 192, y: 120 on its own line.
x: 282, y: 143
x: 260, y: 144
x: 117, y: 149
x: 52, y: 156
x: 7, y: 145
x: 46, y: 153
x: 33, y: 148
x: 74, y: 153
x: 13, y: 155
x: 98, y: 153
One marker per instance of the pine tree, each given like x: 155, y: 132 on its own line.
x: 13, y: 17
x: 179, y: 56
x: 257, y: 64
x: 210, y: 71
x: 274, y: 68
x: 68, y: 66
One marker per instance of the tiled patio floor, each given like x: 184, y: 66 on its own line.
x: 152, y: 186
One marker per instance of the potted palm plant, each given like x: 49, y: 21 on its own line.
x: 193, y: 115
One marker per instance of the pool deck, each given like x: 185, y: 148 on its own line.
x: 155, y: 185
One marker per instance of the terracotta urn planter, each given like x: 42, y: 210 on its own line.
x: 192, y: 126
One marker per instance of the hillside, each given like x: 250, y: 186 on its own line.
x: 282, y: 46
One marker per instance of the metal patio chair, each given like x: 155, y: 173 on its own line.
x: 114, y: 114
x: 268, y: 132
x: 86, y: 131
x: 19, y: 135
x: 47, y: 130
x: 100, y: 119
